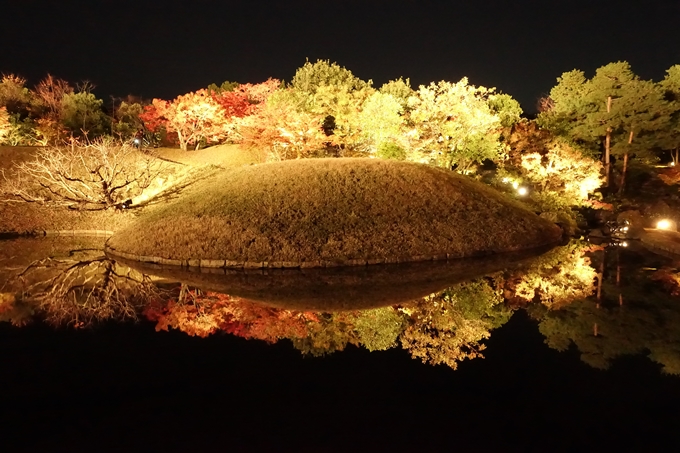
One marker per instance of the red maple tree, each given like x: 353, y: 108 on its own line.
x: 195, y: 118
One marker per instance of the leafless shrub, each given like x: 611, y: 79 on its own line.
x: 545, y: 104
x: 96, y: 176
x: 50, y: 92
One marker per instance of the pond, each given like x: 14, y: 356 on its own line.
x: 573, y: 347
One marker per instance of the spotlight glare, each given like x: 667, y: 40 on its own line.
x: 663, y: 224
x: 522, y: 191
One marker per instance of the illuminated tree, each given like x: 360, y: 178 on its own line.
x: 312, y: 76
x: 283, y: 131
x: 670, y: 86
x: 191, y: 312
x: 195, y: 118
x: 14, y: 95
x: 335, y: 94
x: 331, y: 333
x: 241, y: 101
x: 226, y: 86
x: 563, y: 171
x: 5, y: 125
x: 199, y: 313
x: 615, y: 110
x: 379, y: 329
x: 82, y: 114
x: 381, y: 121
x: 400, y: 89
x: 454, y: 125
x: 508, y: 109
x: 50, y: 93
x: 127, y: 121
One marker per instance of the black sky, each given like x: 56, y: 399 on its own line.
x: 163, y: 49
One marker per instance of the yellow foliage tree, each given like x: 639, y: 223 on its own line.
x: 381, y: 121
x: 282, y: 131
x: 454, y: 125
x: 564, y: 171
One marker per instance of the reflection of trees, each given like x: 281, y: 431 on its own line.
x: 199, y: 313
x: 558, y: 277
x: 443, y: 328
x: 448, y: 327
x: 14, y: 311
x: 637, y: 315
x: 80, y: 292
x: 602, y: 334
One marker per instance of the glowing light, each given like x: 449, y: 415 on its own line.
x: 624, y: 244
x: 663, y: 224
x: 506, y: 180
x: 624, y: 229
x: 522, y: 191
x: 515, y: 184
x: 672, y: 164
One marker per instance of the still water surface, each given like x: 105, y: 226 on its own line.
x: 579, y: 306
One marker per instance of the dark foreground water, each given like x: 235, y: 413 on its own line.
x: 562, y: 370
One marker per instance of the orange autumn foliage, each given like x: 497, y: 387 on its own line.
x: 202, y: 314
x: 195, y: 117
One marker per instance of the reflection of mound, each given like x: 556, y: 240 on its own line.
x: 342, y: 211
x: 338, y: 289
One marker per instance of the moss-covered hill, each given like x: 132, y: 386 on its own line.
x: 347, y: 211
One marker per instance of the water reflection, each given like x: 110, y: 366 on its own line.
x: 338, y: 289
x: 81, y: 289
x: 606, y: 302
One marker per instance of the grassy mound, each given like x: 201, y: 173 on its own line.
x: 334, y: 210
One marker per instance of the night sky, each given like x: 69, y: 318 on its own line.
x: 163, y: 49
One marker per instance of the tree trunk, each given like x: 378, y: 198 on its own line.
x: 623, y: 173
x: 600, y: 276
x: 182, y: 142
x: 625, y: 166
x: 607, y: 145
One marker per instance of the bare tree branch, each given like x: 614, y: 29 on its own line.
x: 96, y: 176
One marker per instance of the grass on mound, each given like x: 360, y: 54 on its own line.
x: 336, y: 210
x: 227, y: 155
